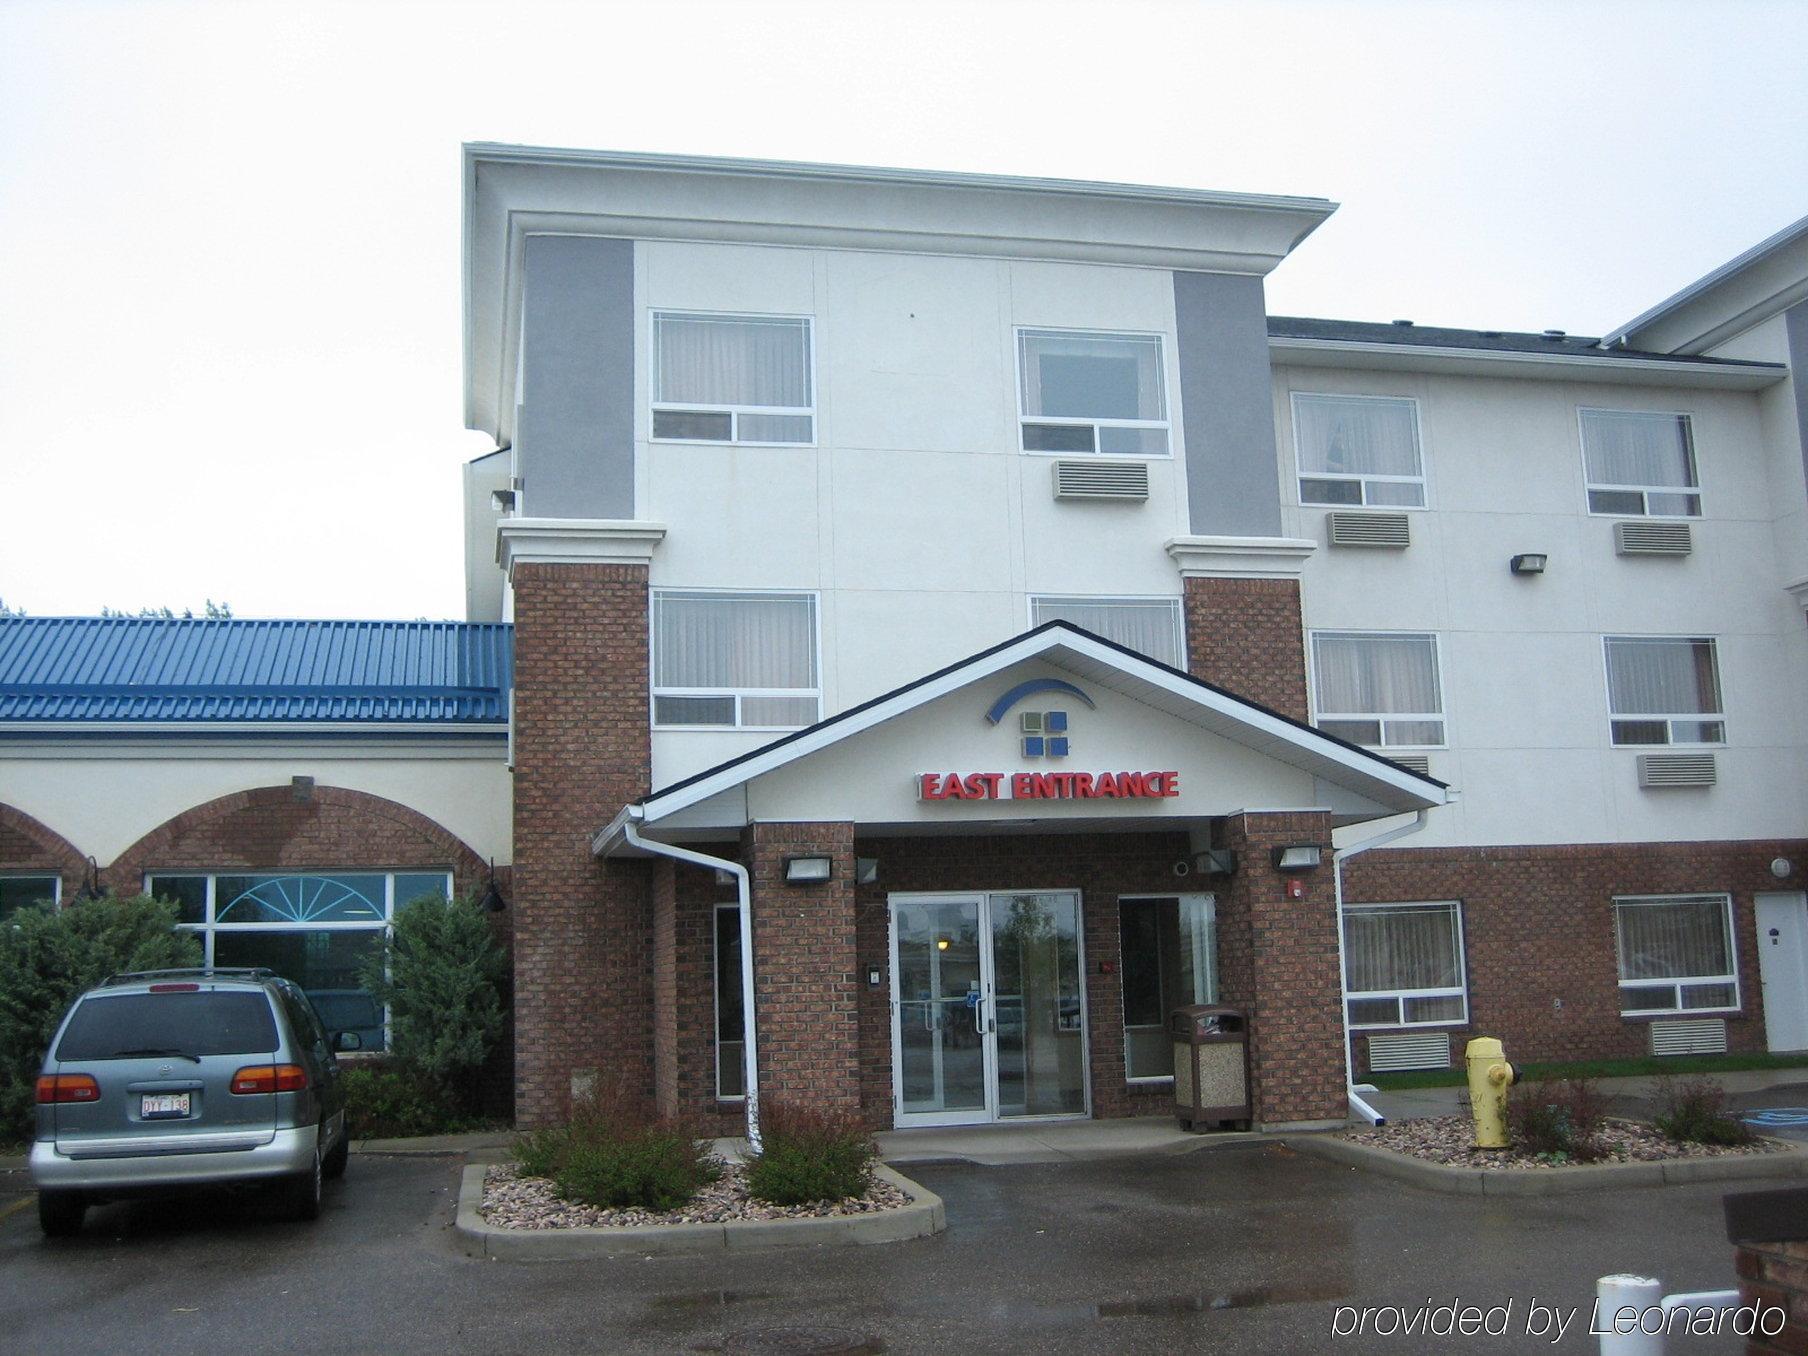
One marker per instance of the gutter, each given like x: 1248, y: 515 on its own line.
x: 627, y: 822
x: 1338, y: 857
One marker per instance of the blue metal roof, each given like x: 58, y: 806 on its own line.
x: 432, y: 675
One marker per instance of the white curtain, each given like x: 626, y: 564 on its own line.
x: 1149, y: 626
x: 1343, y: 435
x: 1369, y: 674
x: 1627, y: 448
x: 722, y: 360
x: 1389, y: 949
x: 1674, y: 939
x: 734, y: 641
x: 1198, y: 950
x: 1091, y: 376
x: 1658, y: 676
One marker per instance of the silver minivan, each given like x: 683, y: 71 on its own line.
x: 176, y: 1078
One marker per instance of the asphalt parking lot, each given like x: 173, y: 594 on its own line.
x: 1248, y: 1249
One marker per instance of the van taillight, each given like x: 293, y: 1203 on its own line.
x: 270, y: 1078
x: 175, y: 988
x: 68, y: 1088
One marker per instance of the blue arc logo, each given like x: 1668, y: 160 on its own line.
x: 1043, y: 733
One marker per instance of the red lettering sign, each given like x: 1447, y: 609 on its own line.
x: 1048, y: 785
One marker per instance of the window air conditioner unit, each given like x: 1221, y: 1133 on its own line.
x: 1418, y: 762
x: 1676, y: 769
x: 1389, y: 531
x: 1125, y: 481
x: 1703, y: 1036
x: 1652, y: 539
x: 1414, y: 1050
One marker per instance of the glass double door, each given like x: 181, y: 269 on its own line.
x: 988, y: 1013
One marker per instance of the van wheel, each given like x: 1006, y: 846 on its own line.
x: 333, y: 1165
x: 301, y: 1193
x: 60, y: 1213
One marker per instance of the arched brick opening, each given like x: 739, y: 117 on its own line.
x: 28, y: 844
x: 296, y: 828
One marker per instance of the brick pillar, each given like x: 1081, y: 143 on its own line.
x: 1246, y: 635
x: 805, y: 965
x: 1769, y: 1232
x: 1277, y: 959
x: 583, y: 976
x: 666, y: 1096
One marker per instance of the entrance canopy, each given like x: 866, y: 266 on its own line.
x: 1056, y: 730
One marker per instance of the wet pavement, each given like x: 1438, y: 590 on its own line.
x: 1241, y: 1248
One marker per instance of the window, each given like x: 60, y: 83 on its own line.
x: 1084, y: 392
x: 1358, y: 450
x: 316, y: 930
x: 1676, y: 954
x: 21, y: 889
x: 731, y: 1040
x: 1660, y: 688
x: 1640, y: 464
x: 735, y: 660
x: 1149, y: 626
x: 1403, y: 964
x: 732, y: 379
x: 1378, y: 688
x: 1169, y: 957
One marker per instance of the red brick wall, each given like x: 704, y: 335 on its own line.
x: 1775, y: 1275
x: 1538, y: 930
x: 804, y: 967
x: 1246, y: 635
x: 28, y: 845
x: 665, y: 988
x: 583, y: 930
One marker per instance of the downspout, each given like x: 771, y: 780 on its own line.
x: 1338, y: 857
x: 749, y: 1032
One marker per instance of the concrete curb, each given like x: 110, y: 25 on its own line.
x: 924, y: 1215
x: 1793, y: 1162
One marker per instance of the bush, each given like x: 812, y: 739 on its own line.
x: 48, y: 957
x: 611, y: 1157
x: 1557, y: 1118
x: 810, y: 1155
x: 390, y: 1102
x: 1693, y: 1111
x: 442, y: 976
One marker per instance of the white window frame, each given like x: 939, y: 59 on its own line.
x: 1362, y: 479
x: 1669, y: 719
x: 657, y: 406
x: 54, y: 877
x: 1401, y: 996
x: 1380, y: 717
x: 1589, y: 485
x: 1024, y: 418
x: 655, y: 692
x: 1677, y: 985
x: 1211, y: 906
x: 715, y: 985
x: 1122, y: 600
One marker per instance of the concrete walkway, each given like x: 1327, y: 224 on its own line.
x: 1047, y: 1141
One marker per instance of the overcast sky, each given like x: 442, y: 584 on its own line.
x: 229, y: 233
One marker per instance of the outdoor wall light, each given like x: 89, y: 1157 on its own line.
x: 493, y: 902
x: 1780, y: 867
x: 1215, y: 862
x: 806, y: 870
x: 1302, y: 858
x: 941, y: 943
x: 91, y: 887
x: 1529, y: 562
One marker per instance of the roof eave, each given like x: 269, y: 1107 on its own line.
x: 1724, y: 375
x: 1745, y: 291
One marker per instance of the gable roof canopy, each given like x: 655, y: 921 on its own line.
x: 1168, y: 709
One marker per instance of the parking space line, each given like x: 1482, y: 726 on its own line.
x: 12, y: 1208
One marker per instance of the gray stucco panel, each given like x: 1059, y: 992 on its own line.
x: 1227, y: 405
x: 575, y: 435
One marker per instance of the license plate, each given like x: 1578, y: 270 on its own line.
x: 163, y: 1106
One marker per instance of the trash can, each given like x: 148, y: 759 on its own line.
x: 1211, y: 1067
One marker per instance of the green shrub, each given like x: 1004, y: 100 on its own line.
x: 49, y: 956
x: 442, y: 975
x: 809, y: 1154
x: 540, y: 1153
x: 390, y: 1102
x: 616, y: 1157
x: 1693, y: 1111
x: 1557, y: 1118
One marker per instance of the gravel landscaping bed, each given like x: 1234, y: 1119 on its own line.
x: 511, y: 1201
x: 1449, y: 1140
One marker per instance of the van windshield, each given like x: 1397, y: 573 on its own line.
x: 146, y: 1025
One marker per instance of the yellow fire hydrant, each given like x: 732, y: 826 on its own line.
x: 1489, y: 1078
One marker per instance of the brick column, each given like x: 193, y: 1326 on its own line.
x: 666, y: 1096
x: 583, y: 978
x: 1277, y: 959
x: 1769, y: 1231
x: 1246, y: 635
x: 805, y: 968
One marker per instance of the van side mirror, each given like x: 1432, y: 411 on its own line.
x: 344, y: 1041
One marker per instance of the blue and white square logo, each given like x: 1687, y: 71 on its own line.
x: 1044, y: 733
